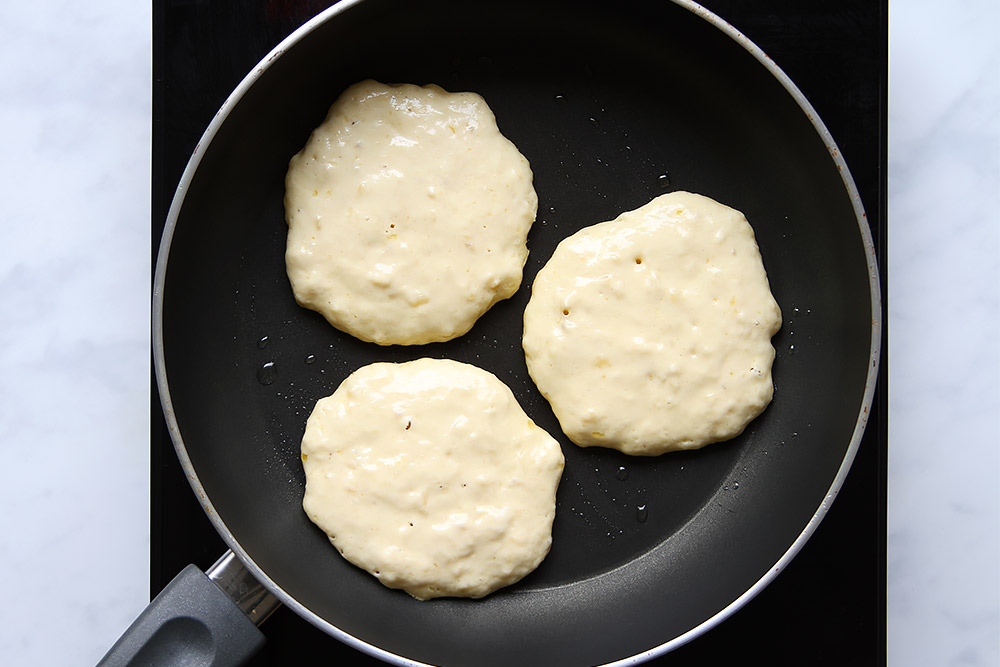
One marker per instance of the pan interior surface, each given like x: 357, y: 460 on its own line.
x: 612, y: 105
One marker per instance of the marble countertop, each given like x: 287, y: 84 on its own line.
x: 75, y: 103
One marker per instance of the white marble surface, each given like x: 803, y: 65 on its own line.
x: 944, y: 331
x: 74, y: 326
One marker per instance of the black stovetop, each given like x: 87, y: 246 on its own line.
x: 828, y: 606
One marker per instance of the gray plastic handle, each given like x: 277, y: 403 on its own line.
x: 191, y: 622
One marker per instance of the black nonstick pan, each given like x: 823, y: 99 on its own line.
x: 612, y: 105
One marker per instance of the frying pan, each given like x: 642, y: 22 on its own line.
x: 612, y: 106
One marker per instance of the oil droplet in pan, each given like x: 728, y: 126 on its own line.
x: 663, y: 180
x: 267, y: 373
x: 641, y: 514
x: 622, y: 473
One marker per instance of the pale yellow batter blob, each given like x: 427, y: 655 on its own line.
x: 652, y: 332
x: 408, y: 214
x: 429, y: 475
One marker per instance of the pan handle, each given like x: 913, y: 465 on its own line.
x: 198, y: 619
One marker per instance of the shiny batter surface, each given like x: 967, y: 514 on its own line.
x: 408, y: 213
x: 430, y: 476
x: 652, y: 332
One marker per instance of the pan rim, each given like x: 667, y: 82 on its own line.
x: 159, y: 362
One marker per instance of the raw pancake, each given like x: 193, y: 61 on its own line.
x: 430, y: 476
x: 408, y: 214
x: 652, y: 332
